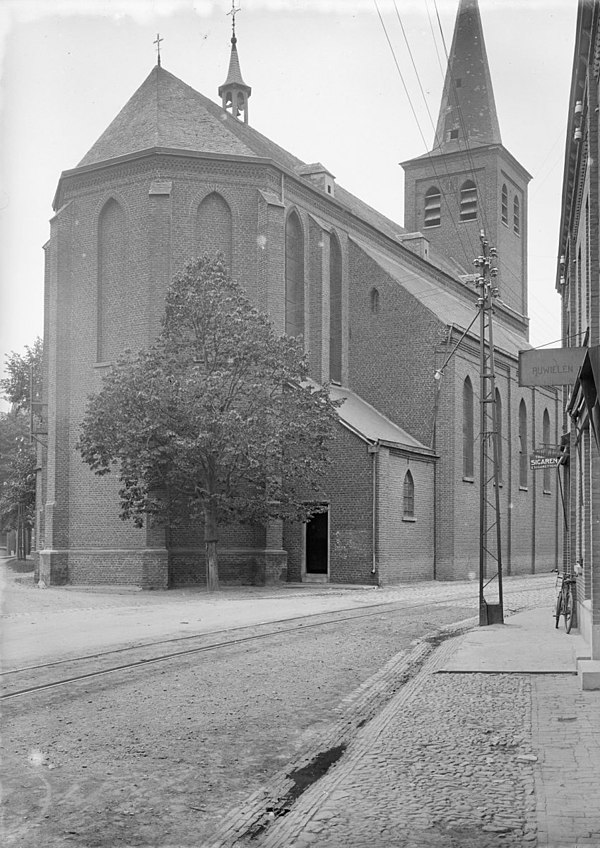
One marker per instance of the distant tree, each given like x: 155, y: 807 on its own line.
x: 15, y: 387
x: 17, y: 477
x: 216, y: 420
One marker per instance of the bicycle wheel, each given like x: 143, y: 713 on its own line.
x: 559, y: 609
x: 569, y: 610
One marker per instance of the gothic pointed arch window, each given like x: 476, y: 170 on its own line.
x: 468, y: 430
x: 213, y: 227
x: 433, y: 207
x: 504, y: 205
x: 547, y: 482
x: 110, y: 314
x: 499, y: 434
x: 294, y: 276
x: 468, y: 201
x: 517, y: 215
x: 408, y: 496
x: 523, y: 457
x: 335, y: 310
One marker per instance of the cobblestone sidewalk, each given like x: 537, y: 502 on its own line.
x: 459, y: 760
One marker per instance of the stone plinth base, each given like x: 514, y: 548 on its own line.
x: 145, y: 567
x: 241, y: 566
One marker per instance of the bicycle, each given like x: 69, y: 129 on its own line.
x: 565, y: 602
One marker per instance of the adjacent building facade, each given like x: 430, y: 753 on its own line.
x: 578, y: 281
x: 387, y: 314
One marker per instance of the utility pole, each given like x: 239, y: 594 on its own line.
x: 490, y: 536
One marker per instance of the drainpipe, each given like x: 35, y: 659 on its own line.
x: 374, y: 451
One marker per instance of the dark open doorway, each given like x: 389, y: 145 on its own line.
x: 317, y: 544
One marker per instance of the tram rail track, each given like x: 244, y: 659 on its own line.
x: 145, y: 655
x: 22, y: 682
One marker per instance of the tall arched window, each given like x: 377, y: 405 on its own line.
x: 335, y: 311
x: 213, y: 227
x: 468, y: 201
x: 468, y: 431
x: 408, y: 496
x: 546, y: 439
x: 523, y: 457
x: 433, y: 207
x: 294, y: 276
x: 516, y: 215
x: 110, y: 337
x: 504, y: 205
x: 499, y: 434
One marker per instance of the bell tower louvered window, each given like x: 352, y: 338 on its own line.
x: 468, y: 201
x: 504, y: 205
x: 433, y: 207
x: 517, y: 216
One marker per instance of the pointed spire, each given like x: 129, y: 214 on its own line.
x: 468, y: 111
x: 234, y: 92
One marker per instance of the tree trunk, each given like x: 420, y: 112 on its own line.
x: 210, y: 541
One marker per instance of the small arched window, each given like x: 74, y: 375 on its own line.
x: 433, y: 207
x: 504, y: 205
x: 546, y: 439
x: 523, y: 458
x: 517, y: 216
x: 468, y: 439
x: 374, y: 301
x: 468, y: 201
x: 408, y: 496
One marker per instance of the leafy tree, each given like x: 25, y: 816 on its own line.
x: 19, y: 368
x: 17, y: 476
x: 216, y: 420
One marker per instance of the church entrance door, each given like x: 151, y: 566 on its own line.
x: 317, y: 547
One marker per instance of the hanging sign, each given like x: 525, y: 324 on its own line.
x: 537, y: 462
x: 550, y: 367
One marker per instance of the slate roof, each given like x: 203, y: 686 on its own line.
x: 447, y: 306
x: 363, y: 418
x: 468, y: 104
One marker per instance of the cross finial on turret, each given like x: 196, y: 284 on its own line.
x: 157, y: 42
x: 233, y: 12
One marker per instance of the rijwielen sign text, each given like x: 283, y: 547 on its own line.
x: 550, y: 367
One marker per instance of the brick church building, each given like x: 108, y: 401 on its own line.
x: 386, y: 313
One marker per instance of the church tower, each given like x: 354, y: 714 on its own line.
x: 469, y: 181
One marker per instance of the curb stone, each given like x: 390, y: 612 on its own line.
x: 259, y: 811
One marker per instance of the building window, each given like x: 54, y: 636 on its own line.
x: 335, y: 311
x: 517, y: 216
x: 504, y: 206
x: 468, y: 440
x: 374, y: 300
x: 499, y: 434
x: 546, y: 439
x: 523, y: 458
x: 452, y: 135
x: 214, y: 227
x: 468, y: 201
x: 111, y: 314
x: 409, y: 496
x: 433, y: 207
x: 294, y: 276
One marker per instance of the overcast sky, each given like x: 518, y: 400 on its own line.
x: 325, y: 86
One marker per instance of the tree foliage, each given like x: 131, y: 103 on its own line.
x: 17, y: 472
x: 216, y: 419
x: 19, y: 368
